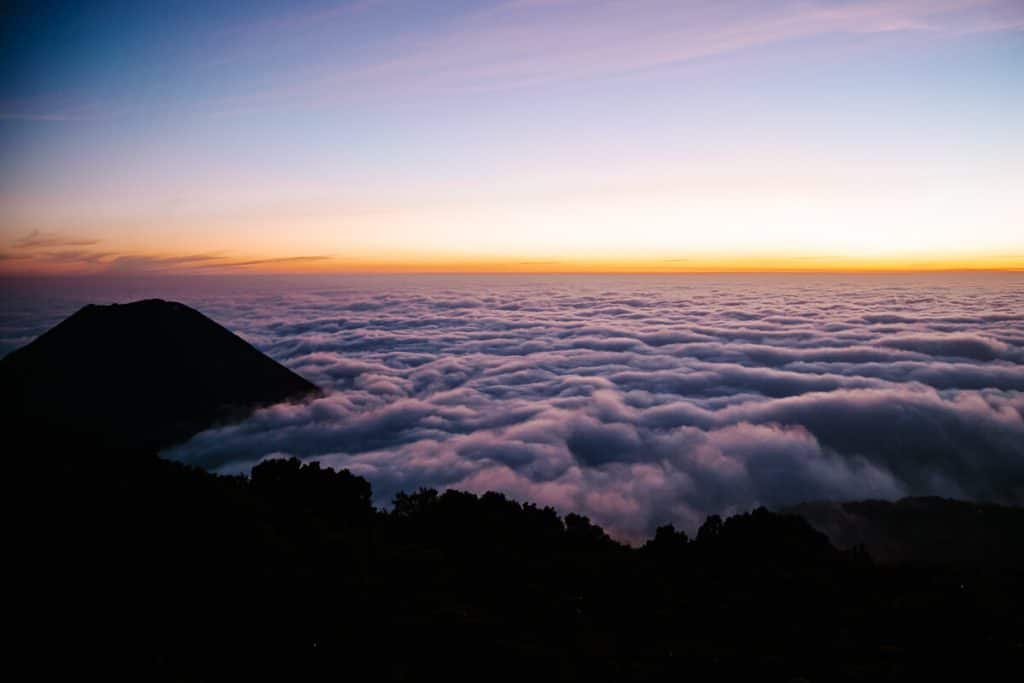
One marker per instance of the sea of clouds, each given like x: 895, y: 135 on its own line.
x: 637, y: 400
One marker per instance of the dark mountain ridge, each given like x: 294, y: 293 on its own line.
x: 143, y: 375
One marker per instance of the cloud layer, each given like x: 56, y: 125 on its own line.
x: 642, y: 400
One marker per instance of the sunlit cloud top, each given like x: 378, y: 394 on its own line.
x: 515, y: 135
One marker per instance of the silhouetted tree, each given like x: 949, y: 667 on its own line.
x: 667, y: 542
x: 582, y: 531
x: 710, y: 529
x: 291, y: 569
x: 414, y: 505
x: 341, y: 496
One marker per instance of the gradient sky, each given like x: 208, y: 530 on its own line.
x: 511, y: 135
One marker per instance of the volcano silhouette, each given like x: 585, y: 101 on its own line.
x: 144, y: 375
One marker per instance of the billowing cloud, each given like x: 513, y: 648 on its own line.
x: 640, y: 401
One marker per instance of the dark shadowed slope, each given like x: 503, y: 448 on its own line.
x: 143, y: 375
x: 923, y: 531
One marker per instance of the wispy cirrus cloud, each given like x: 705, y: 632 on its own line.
x: 294, y: 260
x: 505, y: 44
x: 37, y: 239
x: 142, y: 263
x: 510, y: 44
x: 39, y: 249
x: 148, y: 263
x: 38, y: 116
x: 521, y: 43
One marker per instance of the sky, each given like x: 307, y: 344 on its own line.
x: 511, y: 135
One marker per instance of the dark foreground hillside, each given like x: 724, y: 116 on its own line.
x: 145, y: 568
x: 923, y: 531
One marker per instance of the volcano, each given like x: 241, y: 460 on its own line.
x: 139, y: 376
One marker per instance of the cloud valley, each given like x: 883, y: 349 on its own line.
x: 642, y: 400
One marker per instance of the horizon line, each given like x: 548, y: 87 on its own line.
x: 234, y: 272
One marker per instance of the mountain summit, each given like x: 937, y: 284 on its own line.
x: 144, y: 375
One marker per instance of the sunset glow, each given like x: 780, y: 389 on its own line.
x: 514, y: 136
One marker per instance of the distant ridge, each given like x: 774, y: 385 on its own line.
x: 926, y: 531
x: 143, y: 375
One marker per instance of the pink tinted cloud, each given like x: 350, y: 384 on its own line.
x: 523, y: 43
x: 793, y: 392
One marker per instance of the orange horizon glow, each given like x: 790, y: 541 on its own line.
x: 149, y: 264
